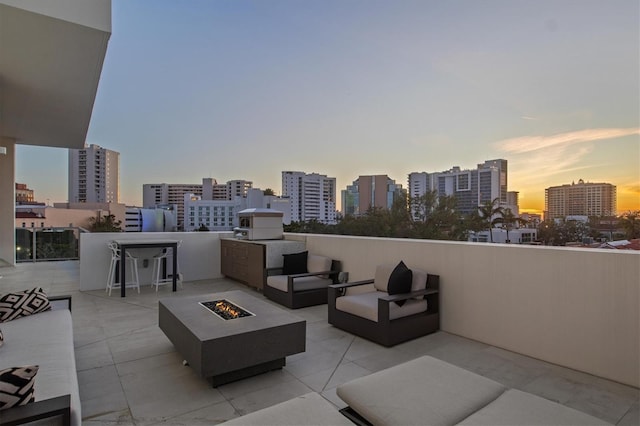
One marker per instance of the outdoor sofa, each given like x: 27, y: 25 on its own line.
x: 43, y: 338
x: 370, y: 309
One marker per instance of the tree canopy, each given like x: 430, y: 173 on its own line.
x: 436, y: 217
x: 107, y: 223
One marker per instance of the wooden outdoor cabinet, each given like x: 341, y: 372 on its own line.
x: 243, y: 261
x: 247, y: 260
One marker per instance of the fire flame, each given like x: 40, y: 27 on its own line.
x: 227, y: 308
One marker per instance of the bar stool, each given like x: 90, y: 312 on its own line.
x: 113, y: 266
x: 156, y: 272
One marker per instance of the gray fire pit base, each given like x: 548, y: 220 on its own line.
x: 232, y: 376
x: 225, y: 351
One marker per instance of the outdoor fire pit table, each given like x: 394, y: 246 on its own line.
x: 223, y: 348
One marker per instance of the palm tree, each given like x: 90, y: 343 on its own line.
x: 630, y: 222
x: 489, y: 212
x: 508, y: 220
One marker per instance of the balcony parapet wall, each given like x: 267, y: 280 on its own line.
x: 573, y: 307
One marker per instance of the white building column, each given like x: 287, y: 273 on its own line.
x: 7, y: 200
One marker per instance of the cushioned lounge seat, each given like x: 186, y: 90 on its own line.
x: 375, y: 310
x: 366, y: 306
x: 517, y: 408
x: 44, y: 339
x: 423, y: 391
x: 305, y: 285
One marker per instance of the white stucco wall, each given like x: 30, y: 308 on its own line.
x: 198, y: 256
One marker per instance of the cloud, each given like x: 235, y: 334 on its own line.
x: 528, y: 117
x: 561, y: 140
x: 536, y: 161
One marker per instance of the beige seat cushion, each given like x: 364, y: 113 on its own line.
x: 309, y: 409
x: 423, y: 391
x: 365, y: 305
x: 299, y: 284
x: 515, y: 407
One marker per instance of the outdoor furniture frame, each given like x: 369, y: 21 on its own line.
x: 385, y: 331
x: 294, y: 299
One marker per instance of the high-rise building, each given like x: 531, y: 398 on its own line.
x: 169, y: 194
x: 212, y: 190
x: 370, y: 191
x: 313, y: 196
x: 471, y: 188
x: 24, y: 195
x: 93, y: 175
x: 238, y: 188
x: 580, y: 199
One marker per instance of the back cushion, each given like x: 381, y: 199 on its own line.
x: 419, y: 281
x: 317, y: 263
x: 381, y: 279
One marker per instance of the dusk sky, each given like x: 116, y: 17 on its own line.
x: 241, y: 89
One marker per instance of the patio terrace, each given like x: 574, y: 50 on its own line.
x: 129, y: 372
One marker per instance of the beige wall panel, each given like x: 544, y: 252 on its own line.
x: 573, y: 307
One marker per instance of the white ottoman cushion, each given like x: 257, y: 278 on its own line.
x: 424, y: 391
x: 515, y: 407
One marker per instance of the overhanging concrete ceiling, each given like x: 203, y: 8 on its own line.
x: 51, y: 56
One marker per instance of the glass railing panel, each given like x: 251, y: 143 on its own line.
x: 47, y: 244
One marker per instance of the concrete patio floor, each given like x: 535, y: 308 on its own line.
x: 129, y: 373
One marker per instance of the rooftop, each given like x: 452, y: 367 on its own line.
x: 129, y: 372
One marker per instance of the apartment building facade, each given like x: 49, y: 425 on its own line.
x: 580, y: 199
x: 93, y: 175
x: 370, y: 191
x: 471, y: 187
x: 312, y: 196
x: 24, y: 195
x: 212, y: 190
x: 171, y: 194
x: 222, y: 215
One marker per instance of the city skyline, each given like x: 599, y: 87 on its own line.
x: 245, y: 90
